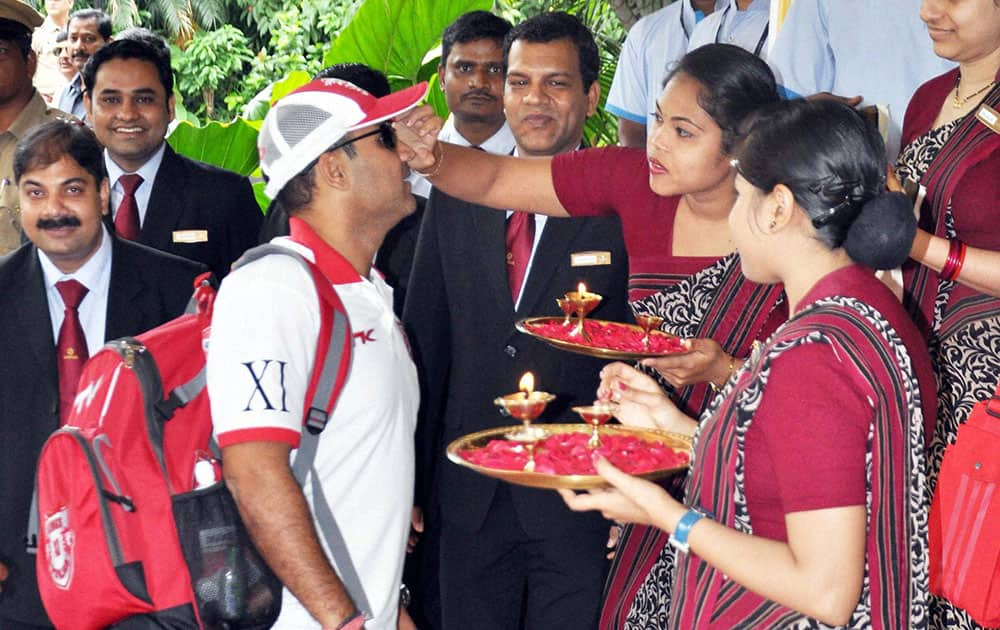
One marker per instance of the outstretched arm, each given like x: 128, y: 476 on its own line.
x: 278, y: 519
x: 476, y: 176
x: 818, y: 572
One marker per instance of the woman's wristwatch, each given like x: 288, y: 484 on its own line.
x: 679, y: 538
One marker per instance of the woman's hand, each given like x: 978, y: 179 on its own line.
x: 629, y: 500
x: 641, y: 402
x: 416, y: 132
x: 704, y: 362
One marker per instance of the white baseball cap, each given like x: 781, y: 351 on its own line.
x: 304, y: 124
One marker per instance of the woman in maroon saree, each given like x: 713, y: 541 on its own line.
x: 806, y: 502
x: 951, y: 146
x: 672, y: 200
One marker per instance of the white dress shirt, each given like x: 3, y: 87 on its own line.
x: 653, y: 47
x: 878, y: 49
x: 95, y: 274
x: 747, y: 29
x: 142, y: 194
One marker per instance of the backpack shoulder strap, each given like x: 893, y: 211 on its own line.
x: 333, y: 347
x: 330, y: 370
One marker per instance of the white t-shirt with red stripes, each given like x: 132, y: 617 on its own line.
x: 263, y: 341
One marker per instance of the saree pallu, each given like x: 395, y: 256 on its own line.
x: 895, y: 589
x: 927, y: 293
x: 962, y: 326
x: 718, y: 303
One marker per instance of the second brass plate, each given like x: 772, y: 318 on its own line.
x: 572, y: 482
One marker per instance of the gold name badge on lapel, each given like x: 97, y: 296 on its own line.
x: 190, y: 236
x: 589, y: 259
x: 989, y: 117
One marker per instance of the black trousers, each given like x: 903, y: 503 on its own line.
x: 500, y: 578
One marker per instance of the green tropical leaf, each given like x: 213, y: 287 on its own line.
x: 231, y: 146
x: 292, y: 81
x: 393, y: 35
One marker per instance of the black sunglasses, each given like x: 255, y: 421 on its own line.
x: 386, y: 137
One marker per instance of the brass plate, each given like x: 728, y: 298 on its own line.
x: 592, y: 351
x: 571, y: 482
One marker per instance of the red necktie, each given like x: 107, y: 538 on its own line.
x: 72, y: 347
x: 520, y: 238
x: 127, y: 217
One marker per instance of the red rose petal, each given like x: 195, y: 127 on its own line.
x: 568, y: 454
x: 610, y: 336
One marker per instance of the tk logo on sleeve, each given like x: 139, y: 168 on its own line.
x: 268, y: 380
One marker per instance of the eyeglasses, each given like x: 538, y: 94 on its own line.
x: 386, y: 137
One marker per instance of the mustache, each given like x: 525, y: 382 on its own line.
x: 479, y: 94
x: 58, y: 222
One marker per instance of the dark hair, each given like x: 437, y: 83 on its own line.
x: 140, y: 49
x: 49, y: 142
x: 471, y: 27
x: 833, y: 161
x: 17, y: 34
x: 298, y: 192
x: 368, y: 79
x: 103, y: 20
x: 555, y: 25
x: 734, y: 84
x: 146, y: 36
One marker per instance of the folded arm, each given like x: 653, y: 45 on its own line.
x: 978, y: 270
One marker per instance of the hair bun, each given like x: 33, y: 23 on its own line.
x: 882, y: 234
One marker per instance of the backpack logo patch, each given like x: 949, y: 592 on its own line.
x: 59, y: 543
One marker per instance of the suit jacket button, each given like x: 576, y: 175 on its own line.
x: 510, y: 351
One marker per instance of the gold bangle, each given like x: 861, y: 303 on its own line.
x: 439, y: 160
x: 732, y: 367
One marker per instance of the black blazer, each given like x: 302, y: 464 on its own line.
x: 460, y: 318
x: 147, y: 288
x: 192, y: 195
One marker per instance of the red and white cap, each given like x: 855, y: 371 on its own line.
x: 304, y: 124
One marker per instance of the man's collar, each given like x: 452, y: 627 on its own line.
x: 147, y: 171
x: 89, y: 274
x: 500, y: 143
x: 582, y: 145
x: 334, y: 266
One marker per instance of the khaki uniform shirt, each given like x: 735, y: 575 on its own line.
x: 34, y: 113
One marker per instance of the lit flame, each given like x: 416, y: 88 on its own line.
x: 581, y: 288
x: 527, y: 384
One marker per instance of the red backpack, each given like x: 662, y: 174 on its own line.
x: 965, y: 517
x: 136, y: 528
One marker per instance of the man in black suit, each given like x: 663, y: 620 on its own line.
x: 127, y: 289
x: 512, y: 556
x: 177, y: 204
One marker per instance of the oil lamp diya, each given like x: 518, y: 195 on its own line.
x: 582, y: 302
x: 526, y: 405
x: 596, y: 415
x: 648, y: 323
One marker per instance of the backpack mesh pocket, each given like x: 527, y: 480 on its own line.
x: 234, y: 587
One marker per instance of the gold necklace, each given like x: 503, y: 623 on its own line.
x: 959, y: 103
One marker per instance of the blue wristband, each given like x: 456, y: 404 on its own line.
x: 679, y: 539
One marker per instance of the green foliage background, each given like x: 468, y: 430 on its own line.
x: 233, y: 57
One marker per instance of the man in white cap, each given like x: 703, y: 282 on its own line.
x: 328, y: 151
